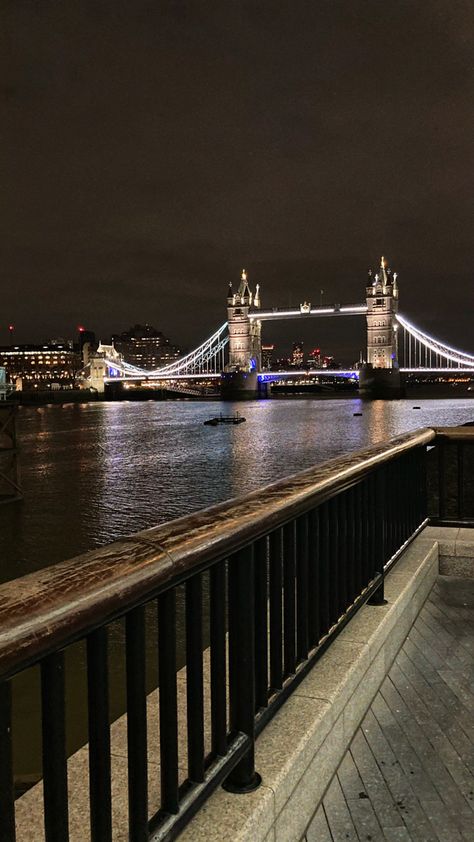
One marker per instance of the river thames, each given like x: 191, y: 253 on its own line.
x: 93, y: 472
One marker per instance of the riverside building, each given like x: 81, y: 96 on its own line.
x: 52, y: 366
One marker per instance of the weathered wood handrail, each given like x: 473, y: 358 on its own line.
x: 49, y: 609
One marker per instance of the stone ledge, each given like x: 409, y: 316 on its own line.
x: 301, y: 748
x: 456, y: 550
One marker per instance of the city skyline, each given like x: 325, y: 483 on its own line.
x: 154, y: 151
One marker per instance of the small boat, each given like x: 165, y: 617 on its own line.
x: 224, y: 419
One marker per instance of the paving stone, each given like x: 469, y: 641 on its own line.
x: 338, y: 816
x: 408, y: 774
x: 318, y: 831
x: 396, y: 834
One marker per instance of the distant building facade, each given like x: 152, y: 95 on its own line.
x: 267, y: 357
x: 145, y: 347
x: 297, y: 355
x: 41, y: 366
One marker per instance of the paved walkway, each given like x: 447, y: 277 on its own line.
x: 409, y: 773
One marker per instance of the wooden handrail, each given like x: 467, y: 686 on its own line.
x: 49, y: 609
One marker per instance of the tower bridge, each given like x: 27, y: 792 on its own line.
x: 232, y: 355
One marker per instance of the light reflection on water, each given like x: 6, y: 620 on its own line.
x: 94, y: 472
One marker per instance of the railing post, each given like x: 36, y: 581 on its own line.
x: 7, y: 803
x: 380, y: 524
x: 460, y: 460
x: 243, y: 777
x: 441, y: 479
x: 55, y: 791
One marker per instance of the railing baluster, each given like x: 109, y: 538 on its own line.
x: 379, y: 515
x: 314, y: 584
x: 54, y: 748
x: 302, y: 587
x: 168, y: 700
x: 413, y: 489
x: 194, y: 679
x: 7, y: 807
x: 394, y: 508
x: 418, y: 481
x: 404, y: 481
x: 413, y: 483
x: 341, y: 505
x: 324, y: 570
x: 397, y: 505
x: 334, y: 573
x: 218, y: 658
x: 358, y: 540
x: 366, y: 532
x: 99, y: 737
x: 351, y: 547
x: 441, y: 480
x: 460, y: 485
x: 261, y: 623
x: 393, y: 523
x: 136, y: 725
x: 423, y: 497
x: 289, y: 598
x: 276, y: 629
x: 243, y: 777
x: 371, y: 521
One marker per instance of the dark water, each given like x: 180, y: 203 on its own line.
x: 94, y: 472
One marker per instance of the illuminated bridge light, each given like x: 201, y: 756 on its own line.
x: 313, y: 373
x: 434, y: 345
x: 301, y: 312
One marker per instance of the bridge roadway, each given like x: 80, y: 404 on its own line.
x: 269, y: 376
x: 307, y: 310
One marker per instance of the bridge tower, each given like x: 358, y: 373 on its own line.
x: 245, y: 345
x: 382, y: 307
x: 380, y: 376
x: 240, y: 379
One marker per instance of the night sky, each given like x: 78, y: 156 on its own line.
x: 150, y: 150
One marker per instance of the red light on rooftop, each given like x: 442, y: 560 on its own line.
x: 11, y: 328
x: 80, y: 328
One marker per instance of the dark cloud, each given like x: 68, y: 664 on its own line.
x: 152, y: 149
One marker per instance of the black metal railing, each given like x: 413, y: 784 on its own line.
x: 450, y: 467
x: 269, y: 579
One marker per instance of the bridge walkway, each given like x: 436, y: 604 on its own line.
x: 409, y: 772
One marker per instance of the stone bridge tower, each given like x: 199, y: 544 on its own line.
x: 382, y: 307
x: 380, y: 375
x: 245, y: 346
